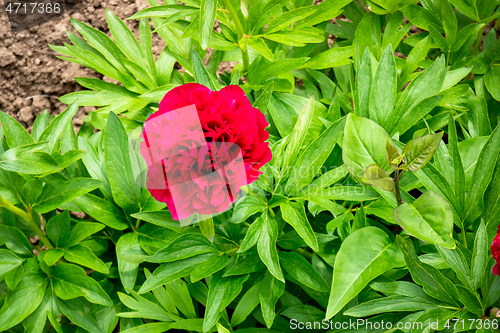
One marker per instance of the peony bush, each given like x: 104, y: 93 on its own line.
x: 343, y: 176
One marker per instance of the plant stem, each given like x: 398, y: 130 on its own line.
x: 271, y: 212
x: 464, y: 234
x: 228, y: 252
x: 241, y: 32
x: 246, y: 60
x: 304, y: 253
x: 396, y: 187
x: 478, y: 40
x: 252, y: 193
x: 29, y: 219
x: 497, y: 25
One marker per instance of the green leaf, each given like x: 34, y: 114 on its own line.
x: 35, y: 322
x: 403, y: 288
x: 264, y: 98
x: 426, y: 85
x: 80, y: 231
x: 480, y: 255
x: 284, y: 20
x: 418, y: 152
x: 125, y: 191
x: 103, y: 211
x: 222, y: 291
x: 123, y: 36
x: 271, y: 290
x: 40, y: 123
x: 301, y: 270
x: 458, y: 167
x: 429, y: 218
x: 395, y: 30
x: 483, y: 172
x: 295, y: 37
x: 376, y: 176
x: 252, y: 236
x: 25, y: 159
x: 299, y: 132
x: 383, y: 89
x: 260, y: 46
x: 209, y: 9
x: 349, y: 193
x: 24, y: 300
x: 491, y: 79
x: 74, y: 310
x: 13, y: 277
x: 53, y: 256
x: 160, y: 11
x: 15, y: 240
x: 364, y: 255
x: 161, y: 218
x: 326, y: 10
x: 64, y: 160
x: 58, y: 192
x: 82, y: 255
x: 363, y: 145
x: 294, y: 213
x: 209, y: 267
x: 58, y: 126
x: 183, y: 247
x: 15, y: 134
x: 102, y: 43
x: 333, y: 57
x: 143, y: 307
x: 127, y: 270
x: 266, y: 246
x: 434, y: 283
x: 330, y: 177
x: 173, y: 270
x: 368, y: 33
x: 246, y: 207
x: 457, y: 261
x: 201, y: 75
x: 415, y: 57
x: 70, y: 281
x: 246, y: 305
x: 313, y: 157
x: 156, y: 327
x: 58, y: 228
x: 207, y: 229
x: 390, y: 304
x: 8, y: 262
x: 364, y: 72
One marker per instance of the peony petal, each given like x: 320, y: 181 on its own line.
x: 180, y: 96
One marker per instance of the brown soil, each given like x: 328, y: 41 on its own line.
x: 32, y: 78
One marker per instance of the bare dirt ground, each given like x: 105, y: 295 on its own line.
x: 32, y: 78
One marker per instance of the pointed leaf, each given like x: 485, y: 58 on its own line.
x: 363, y: 145
x: 364, y: 255
x: 418, y: 152
x: 271, y: 290
x: 294, y: 213
x: 71, y: 281
x: 222, y: 291
x: 429, y: 218
x: 376, y: 176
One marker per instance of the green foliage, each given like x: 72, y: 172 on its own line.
x: 380, y: 202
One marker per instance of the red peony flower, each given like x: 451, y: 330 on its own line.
x: 495, y: 251
x: 201, y: 147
